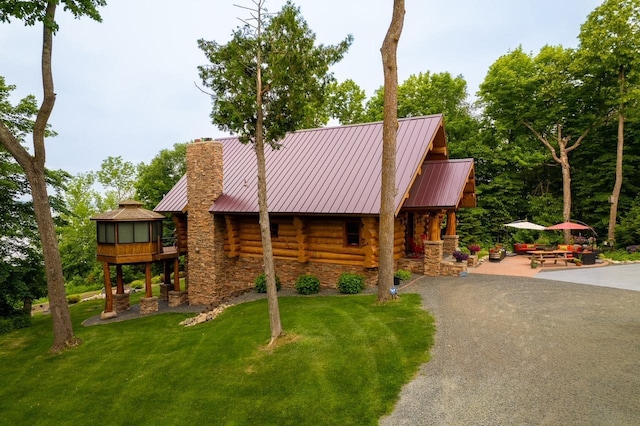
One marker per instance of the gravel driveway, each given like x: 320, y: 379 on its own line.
x: 519, y: 351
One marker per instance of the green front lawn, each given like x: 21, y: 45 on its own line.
x: 343, y: 361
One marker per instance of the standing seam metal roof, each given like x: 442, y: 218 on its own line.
x: 335, y: 170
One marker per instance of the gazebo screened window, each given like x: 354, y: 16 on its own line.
x: 133, y: 232
x: 106, y: 232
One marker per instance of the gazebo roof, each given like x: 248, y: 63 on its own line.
x: 128, y: 211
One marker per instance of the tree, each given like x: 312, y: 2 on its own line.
x: 268, y: 80
x: 78, y: 232
x: 118, y: 177
x: 610, y: 48
x: 346, y: 102
x: 44, y: 12
x: 159, y: 176
x: 543, y: 94
x: 389, y: 130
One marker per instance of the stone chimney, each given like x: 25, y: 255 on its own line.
x: 206, y: 239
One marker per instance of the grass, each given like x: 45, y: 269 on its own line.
x: 343, y: 361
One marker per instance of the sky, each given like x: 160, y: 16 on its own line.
x: 127, y: 86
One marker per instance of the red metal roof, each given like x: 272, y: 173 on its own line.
x: 441, y: 184
x: 174, y: 201
x: 333, y: 170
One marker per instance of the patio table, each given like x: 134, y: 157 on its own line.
x: 541, y: 256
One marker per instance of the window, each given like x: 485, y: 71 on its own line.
x: 106, y: 233
x: 133, y: 232
x: 352, y: 233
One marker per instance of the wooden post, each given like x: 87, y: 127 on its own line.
x: 119, y: 281
x: 176, y: 274
x: 451, y: 223
x: 167, y: 273
x: 434, y: 227
x: 147, y: 273
x: 108, y: 292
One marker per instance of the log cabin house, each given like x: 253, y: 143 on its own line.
x: 324, y: 199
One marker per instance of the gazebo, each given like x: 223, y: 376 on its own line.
x: 130, y: 235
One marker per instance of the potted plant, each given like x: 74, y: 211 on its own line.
x: 534, y: 264
x: 473, y: 248
x: 401, y: 274
x: 460, y: 256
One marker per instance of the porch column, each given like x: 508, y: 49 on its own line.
x: 451, y: 223
x: 108, y: 295
x: 119, y: 281
x: 176, y: 274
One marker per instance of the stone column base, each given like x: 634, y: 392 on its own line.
x: 121, y: 302
x: 472, y: 261
x: 164, y: 291
x: 148, y: 305
x: 108, y: 315
x: 177, y: 298
x: 450, y: 244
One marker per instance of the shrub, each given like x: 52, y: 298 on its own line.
x: 350, y: 283
x: 261, y: 283
x: 137, y: 284
x: 74, y: 298
x: 156, y: 280
x: 402, y: 274
x: 6, y: 325
x: 22, y: 320
x: 307, y: 284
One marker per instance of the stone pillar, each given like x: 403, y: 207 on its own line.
x: 121, y: 302
x: 204, y: 186
x: 450, y: 244
x: 148, y: 305
x: 164, y: 291
x: 177, y: 298
x: 432, y: 257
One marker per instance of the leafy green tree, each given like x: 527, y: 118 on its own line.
x: 427, y: 93
x: 118, y: 177
x: 610, y: 50
x: 543, y: 94
x: 347, y: 102
x: 78, y: 232
x: 269, y: 79
x: 160, y: 175
x: 44, y: 12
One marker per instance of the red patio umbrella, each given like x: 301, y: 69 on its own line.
x: 569, y: 225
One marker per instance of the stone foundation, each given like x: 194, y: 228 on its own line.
x: 432, y: 257
x: 164, y: 291
x: 450, y: 244
x: 121, y: 302
x: 413, y: 264
x: 148, y: 305
x: 177, y: 298
x: 452, y: 269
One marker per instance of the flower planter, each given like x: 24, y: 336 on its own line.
x: 497, y: 255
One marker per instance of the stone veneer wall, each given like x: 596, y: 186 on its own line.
x: 432, y: 257
x: 450, y: 244
x: 241, y: 273
x: 204, y: 186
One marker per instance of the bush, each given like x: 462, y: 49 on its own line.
x: 22, y: 320
x: 307, y: 284
x: 261, y: 283
x: 137, y: 284
x: 15, y: 322
x: 350, y: 283
x: 402, y: 274
x: 74, y: 298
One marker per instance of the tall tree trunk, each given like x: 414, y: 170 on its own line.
x: 566, y: 191
x: 34, y: 168
x: 389, y: 132
x: 265, y: 226
x: 615, y: 195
